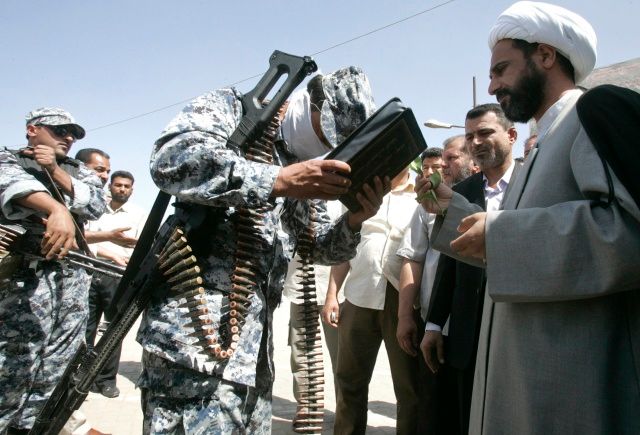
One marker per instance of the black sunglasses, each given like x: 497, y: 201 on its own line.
x: 61, y: 131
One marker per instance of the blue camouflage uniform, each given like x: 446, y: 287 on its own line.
x: 43, y: 305
x: 186, y: 390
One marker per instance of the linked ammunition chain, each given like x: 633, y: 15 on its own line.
x: 181, y: 271
x: 9, y: 236
x: 311, y: 406
x: 180, y: 268
x: 250, y: 247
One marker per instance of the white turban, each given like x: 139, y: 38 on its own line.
x: 549, y: 24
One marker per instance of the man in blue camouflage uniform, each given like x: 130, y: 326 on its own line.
x: 43, y: 303
x: 184, y: 389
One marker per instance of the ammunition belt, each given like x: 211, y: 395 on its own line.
x: 182, y: 273
x: 312, y: 384
x: 250, y: 247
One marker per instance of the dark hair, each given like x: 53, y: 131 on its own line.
x: 483, y: 109
x: 528, y: 48
x: 123, y: 174
x: 316, y: 92
x: 84, y: 155
x: 431, y: 153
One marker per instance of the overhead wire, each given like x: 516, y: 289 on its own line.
x: 348, y: 41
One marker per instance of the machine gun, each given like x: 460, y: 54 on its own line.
x: 143, y: 275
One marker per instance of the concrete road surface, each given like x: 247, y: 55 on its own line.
x: 122, y: 416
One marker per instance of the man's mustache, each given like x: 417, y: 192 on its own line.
x: 502, y: 93
x: 481, y: 149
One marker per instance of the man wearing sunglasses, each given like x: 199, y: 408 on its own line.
x: 43, y: 303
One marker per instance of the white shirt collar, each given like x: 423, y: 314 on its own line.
x: 552, y: 112
x: 124, y: 207
x: 503, y: 182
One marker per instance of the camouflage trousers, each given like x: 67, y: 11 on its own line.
x: 43, y: 313
x: 177, y: 400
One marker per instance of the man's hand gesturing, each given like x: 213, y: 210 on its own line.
x: 118, y: 236
x: 313, y: 179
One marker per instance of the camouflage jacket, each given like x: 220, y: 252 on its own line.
x: 193, y: 161
x: 88, y: 201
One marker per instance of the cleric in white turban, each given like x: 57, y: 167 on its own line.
x: 559, y: 344
x: 553, y: 25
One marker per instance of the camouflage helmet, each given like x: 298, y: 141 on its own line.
x: 349, y: 102
x: 54, y: 116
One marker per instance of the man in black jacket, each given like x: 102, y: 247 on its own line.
x: 459, y: 288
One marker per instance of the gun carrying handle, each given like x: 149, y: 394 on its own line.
x: 256, y: 117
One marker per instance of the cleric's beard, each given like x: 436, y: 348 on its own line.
x: 525, y: 97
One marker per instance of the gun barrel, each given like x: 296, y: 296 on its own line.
x: 96, y: 264
x: 94, y: 268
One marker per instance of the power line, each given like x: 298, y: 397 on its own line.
x: 363, y: 35
x: 160, y: 109
x: 383, y: 27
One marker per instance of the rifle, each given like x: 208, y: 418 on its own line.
x: 12, y: 242
x: 142, y: 275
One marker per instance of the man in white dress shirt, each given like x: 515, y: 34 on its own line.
x: 560, y: 335
x: 369, y: 316
x: 114, y: 235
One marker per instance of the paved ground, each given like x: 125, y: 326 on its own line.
x: 122, y: 416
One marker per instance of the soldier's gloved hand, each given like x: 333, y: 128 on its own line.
x: 370, y: 199
x: 313, y: 179
x: 59, y: 236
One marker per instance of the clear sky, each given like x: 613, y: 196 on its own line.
x: 106, y: 61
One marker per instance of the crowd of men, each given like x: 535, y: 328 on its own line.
x: 519, y: 313
x: 507, y: 297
